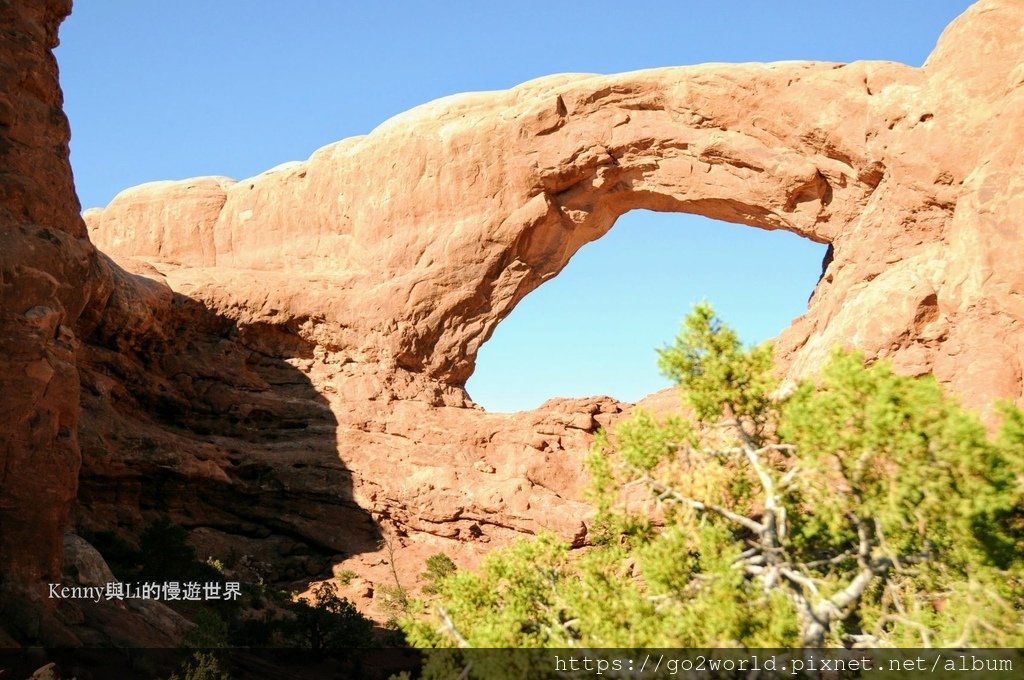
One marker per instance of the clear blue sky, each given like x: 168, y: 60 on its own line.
x: 164, y: 90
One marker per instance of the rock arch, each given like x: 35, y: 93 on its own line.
x: 391, y: 257
x: 423, y: 234
x: 445, y: 217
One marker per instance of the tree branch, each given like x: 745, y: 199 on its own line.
x: 799, y: 579
x: 666, y: 491
x: 838, y: 559
x: 449, y: 627
x: 851, y: 593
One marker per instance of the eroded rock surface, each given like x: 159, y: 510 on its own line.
x: 278, y: 363
x: 47, y: 279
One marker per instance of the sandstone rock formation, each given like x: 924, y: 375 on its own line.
x: 278, y: 363
x: 47, y: 279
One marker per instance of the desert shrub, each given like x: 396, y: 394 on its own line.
x: 327, y: 622
x: 345, y: 577
x: 438, y: 568
x: 211, y: 631
x: 395, y: 601
x: 202, y: 666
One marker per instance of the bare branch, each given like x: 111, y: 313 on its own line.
x: 864, y: 534
x: 736, y: 450
x: 665, y: 491
x: 799, y: 579
x: 862, y: 641
x: 788, y: 478
x: 926, y: 637
x: 387, y: 538
x: 749, y: 552
x: 774, y: 530
x: 838, y: 559
x: 449, y: 627
x: 753, y: 457
x: 852, y: 593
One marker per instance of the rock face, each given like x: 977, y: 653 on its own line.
x: 54, y: 288
x: 278, y: 363
x: 47, y: 279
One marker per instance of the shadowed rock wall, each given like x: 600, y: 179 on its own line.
x: 48, y: 276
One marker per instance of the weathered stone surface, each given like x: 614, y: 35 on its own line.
x: 49, y: 275
x: 278, y: 363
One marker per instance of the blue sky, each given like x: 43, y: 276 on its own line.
x: 164, y: 90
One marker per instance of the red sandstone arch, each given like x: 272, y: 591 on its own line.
x: 394, y: 255
x: 423, y: 234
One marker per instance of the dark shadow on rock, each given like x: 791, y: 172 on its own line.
x: 220, y: 429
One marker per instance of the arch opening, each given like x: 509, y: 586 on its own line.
x: 593, y: 329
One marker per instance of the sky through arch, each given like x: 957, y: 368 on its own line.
x: 593, y: 329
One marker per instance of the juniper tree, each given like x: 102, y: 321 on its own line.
x: 862, y: 509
